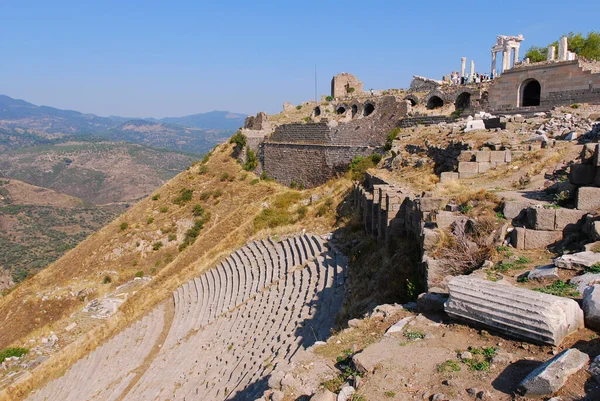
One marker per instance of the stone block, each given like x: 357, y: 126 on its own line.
x: 508, y: 156
x: 588, y: 199
x: 448, y: 176
x: 430, y: 238
x: 582, y: 174
x: 474, y: 125
x: 596, y: 159
x: 323, y: 395
x: 568, y: 219
x: 483, y: 156
x: 539, y: 218
x: 588, y: 153
x: 431, y: 302
x: 432, y: 204
x: 498, y: 156
x: 577, y: 260
x: 445, y: 219
x: 513, y: 311
x: 468, y: 167
x: 466, y: 156
x: 544, y: 273
x: 482, y: 167
x: 515, y: 209
x: 517, y: 238
x: 591, y: 306
x: 550, y: 377
x: 595, y: 230
x: 536, y: 239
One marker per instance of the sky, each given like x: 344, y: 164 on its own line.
x: 173, y: 58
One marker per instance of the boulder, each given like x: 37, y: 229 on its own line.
x: 594, y: 369
x: 516, y: 312
x: 399, y: 325
x: 431, y: 302
x: 544, y: 273
x: 445, y: 219
x: 552, y: 375
x: 577, y: 260
x: 591, y: 306
x: 323, y: 395
x: 585, y: 280
x: 345, y: 393
x: 474, y: 125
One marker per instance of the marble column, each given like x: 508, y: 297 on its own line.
x: 563, y: 49
x: 516, y: 54
x: 472, y: 69
x: 493, y: 72
x: 463, y: 66
x: 551, y: 53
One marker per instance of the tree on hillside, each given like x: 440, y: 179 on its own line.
x: 586, y: 47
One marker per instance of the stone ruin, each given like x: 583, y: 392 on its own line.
x: 342, y: 85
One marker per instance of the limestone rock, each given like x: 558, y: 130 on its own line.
x: 552, y: 375
x: 345, y: 393
x: 323, y: 395
x: 354, y: 323
x: 431, y: 302
x: 594, y: 369
x: 585, y: 280
x: 398, y: 326
x: 544, y: 273
x: 474, y: 125
x: 577, y: 260
x: 516, y: 312
x: 591, y: 306
x: 277, y: 396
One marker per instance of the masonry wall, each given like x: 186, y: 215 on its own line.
x: 561, y: 83
x: 317, y: 133
x: 308, y: 164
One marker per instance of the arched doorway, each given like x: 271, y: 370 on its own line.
x: 435, y: 102
x: 412, y: 99
x: 340, y: 110
x: 317, y: 111
x: 531, y: 93
x: 354, y: 110
x: 463, y: 101
x: 369, y: 109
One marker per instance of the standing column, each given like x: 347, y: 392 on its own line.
x: 516, y: 54
x: 505, y: 59
x: 563, y: 49
x: 551, y: 53
x: 472, y: 69
x: 463, y: 66
x: 493, y: 72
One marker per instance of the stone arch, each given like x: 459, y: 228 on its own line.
x: 463, y: 101
x: 317, y: 111
x: 341, y: 109
x: 412, y: 99
x: 530, y: 93
x: 354, y: 110
x: 435, y: 102
x: 368, y: 109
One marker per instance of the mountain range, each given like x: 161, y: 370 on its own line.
x: 25, y: 124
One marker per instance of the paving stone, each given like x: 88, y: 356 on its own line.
x: 591, y: 306
x: 552, y: 375
x: 514, y: 311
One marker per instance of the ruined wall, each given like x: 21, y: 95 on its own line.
x: 342, y: 82
x: 302, y: 133
x: 561, y: 83
x: 306, y: 164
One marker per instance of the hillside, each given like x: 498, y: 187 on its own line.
x: 96, y: 172
x: 38, y: 225
x: 213, y: 120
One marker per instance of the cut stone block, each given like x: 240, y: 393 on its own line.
x: 466, y: 156
x: 588, y: 199
x: 568, y: 219
x: 430, y: 238
x: 483, y: 166
x: 468, y: 168
x: 585, y: 280
x: 539, y: 218
x: 536, y: 239
x: 445, y: 219
x: 516, y: 312
x: 544, y: 273
x: 596, y: 159
x: 591, y: 306
x: 508, y: 156
x: 582, y: 174
x: 517, y: 238
x: 431, y: 302
x: 323, y: 395
x: 483, y: 156
x: 594, y: 369
x: 474, y: 125
x: 577, y: 260
x: 448, y: 176
x: 552, y: 375
x: 516, y: 209
x: 431, y: 204
x: 399, y: 325
x: 498, y: 156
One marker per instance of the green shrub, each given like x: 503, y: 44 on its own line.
x: 560, y: 288
x: 265, y: 177
x: 156, y: 197
x: 139, y: 273
x: 205, y: 195
x: 254, y: 181
x: 163, y: 209
x: 293, y: 184
x: 448, y: 366
x: 10, y: 352
x: 375, y: 158
x: 172, y: 237
x: 192, y: 233
x: 456, y: 113
x: 224, y: 177
x: 150, y: 220
x: 239, y: 140
x: 123, y: 226
x: 185, y: 195
x: 106, y: 280
x: 329, y: 98
x: 359, y: 166
x: 298, y: 107
x: 198, y: 210
x: 217, y: 193
x: 302, y: 210
x: 251, y: 160
x: 203, y: 169
x: 157, y: 245
x: 350, y: 90
x: 391, y: 136
x: 414, y: 335
x: 575, y: 106
x: 595, y: 268
x: 206, y: 157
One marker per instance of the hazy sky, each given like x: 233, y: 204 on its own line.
x: 171, y: 58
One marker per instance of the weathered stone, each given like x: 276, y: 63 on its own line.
x: 498, y: 156
x: 432, y: 204
x: 568, y: 219
x: 517, y: 238
x: 430, y: 238
x: 539, y: 218
x: 585, y: 280
x: 515, y: 209
x: 448, y: 176
x: 399, y: 325
x: 582, y: 174
x: 588, y: 199
x: 474, y: 125
x: 536, y: 239
x: 468, y: 169
x: 544, y: 273
x: 483, y: 156
x: 483, y: 167
x: 577, y: 260
x: 431, y: 302
x: 591, y: 306
x: 514, y: 311
x: 594, y: 369
x: 445, y: 219
x: 354, y: 323
x: 275, y: 380
x: 277, y: 395
x: 552, y: 375
x: 323, y: 395
x: 345, y: 393
x: 466, y: 156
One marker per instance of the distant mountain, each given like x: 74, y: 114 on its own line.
x: 25, y: 124
x: 224, y: 120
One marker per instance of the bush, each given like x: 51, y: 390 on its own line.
x: 375, y: 158
x: 139, y: 274
x: 265, y: 177
x: 205, y: 195
x: 329, y: 98
x: 157, y: 245
x: 224, y: 176
x: 123, y: 226
x: 239, y: 140
x: 391, y: 136
x: 254, y: 181
x: 10, y: 352
x: 560, y: 289
x: 359, y: 166
x: 185, y: 195
x: 150, y: 220
x: 172, y: 237
x: 217, y: 193
x: 192, y: 233
x: 251, y: 160
x: 106, y: 280
x: 350, y: 90
x: 575, y: 106
x: 207, y: 156
x: 293, y: 184
x: 203, y: 169
x: 156, y: 197
x: 298, y: 107
x: 163, y: 209
x: 198, y: 210
x: 456, y: 113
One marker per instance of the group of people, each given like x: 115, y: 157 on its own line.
x: 471, y: 79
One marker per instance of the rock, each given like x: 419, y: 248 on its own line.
x: 388, y: 309
x: 540, y: 137
x: 544, y: 273
x: 516, y: 312
x: 398, y: 326
x: 474, y: 125
x: 323, y: 395
x: 585, y: 280
x: 515, y: 209
x: 71, y: 327
x: 431, y: 302
x: 582, y: 174
x: 591, y: 306
x: 438, y: 397
x: 345, y: 393
x: 539, y: 218
x: 552, y: 375
x: 588, y: 199
x: 503, y: 357
x: 594, y: 369
x: 448, y: 176
x: 275, y: 380
x: 354, y: 323
x: 277, y: 396
x: 466, y: 355
x: 577, y: 260
x: 571, y: 136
